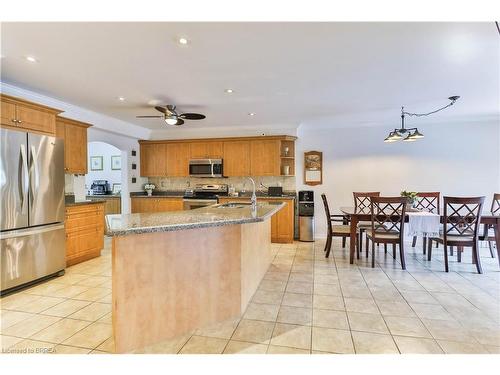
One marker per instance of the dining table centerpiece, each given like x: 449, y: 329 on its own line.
x: 149, y: 189
x: 411, y: 197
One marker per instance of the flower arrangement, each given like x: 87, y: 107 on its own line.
x: 411, y: 196
x: 149, y: 188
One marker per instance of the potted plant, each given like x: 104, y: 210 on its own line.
x: 411, y: 197
x: 149, y: 189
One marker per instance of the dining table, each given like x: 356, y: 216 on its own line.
x: 356, y: 215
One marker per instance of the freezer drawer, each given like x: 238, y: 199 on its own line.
x: 30, y: 254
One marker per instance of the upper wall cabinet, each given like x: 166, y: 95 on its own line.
x: 236, y: 161
x: 178, y: 155
x: 27, y: 116
x: 206, y: 150
x: 242, y: 156
x: 74, y: 134
x: 265, y: 157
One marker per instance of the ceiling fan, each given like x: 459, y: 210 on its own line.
x: 171, y: 117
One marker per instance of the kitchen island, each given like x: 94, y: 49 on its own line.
x: 174, y: 272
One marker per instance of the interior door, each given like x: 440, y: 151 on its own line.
x: 46, y: 179
x: 13, y: 179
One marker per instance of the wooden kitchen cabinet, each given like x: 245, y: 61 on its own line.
x: 20, y: 114
x: 74, y: 134
x: 84, y: 232
x: 242, y: 156
x: 282, y: 222
x: 112, y: 204
x: 265, y: 158
x: 178, y: 155
x: 156, y: 204
x: 236, y: 158
x: 206, y: 150
x: 153, y: 159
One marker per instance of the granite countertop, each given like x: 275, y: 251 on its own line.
x: 156, y: 194
x: 211, y: 216
x: 105, y: 196
x: 247, y: 194
x: 79, y: 203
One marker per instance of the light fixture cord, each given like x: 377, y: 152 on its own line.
x: 429, y: 113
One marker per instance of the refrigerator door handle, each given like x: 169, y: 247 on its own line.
x: 23, y: 177
x: 35, y: 177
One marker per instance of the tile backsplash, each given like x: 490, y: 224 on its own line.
x: 75, y: 185
x: 240, y: 183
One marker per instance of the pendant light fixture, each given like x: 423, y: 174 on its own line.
x: 412, y: 134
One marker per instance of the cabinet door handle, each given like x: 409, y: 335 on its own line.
x: 19, y: 121
x: 13, y: 120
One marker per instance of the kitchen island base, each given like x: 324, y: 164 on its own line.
x: 166, y: 284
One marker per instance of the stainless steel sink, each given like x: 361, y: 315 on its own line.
x: 234, y: 205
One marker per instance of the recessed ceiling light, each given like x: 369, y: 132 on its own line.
x: 31, y: 59
x: 183, y: 41
x: 228, y: 91
x: 121, y: 98
x: 251, y: 114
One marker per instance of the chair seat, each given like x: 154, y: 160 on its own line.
x: 393, y: 235
x: 341, y: 229
x: 454, y: 238
x: 364, y: 224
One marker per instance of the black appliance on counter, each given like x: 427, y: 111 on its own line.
x: 306, y: 215
x: 100, y: 187
x: 203, y: 195
x: 275, y: 191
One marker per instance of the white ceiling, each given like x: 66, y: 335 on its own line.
x: 287, y: 73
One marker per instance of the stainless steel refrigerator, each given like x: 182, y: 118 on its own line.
x: 32, y: 207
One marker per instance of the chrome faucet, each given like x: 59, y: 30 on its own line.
x: 254, y: 197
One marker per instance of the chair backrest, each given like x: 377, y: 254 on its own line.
x: 362, y: 200
x: 462, y: 216
x: 495, y: 205
x: 388, y: 215
x: 428, y: 201
x: 327, y: 212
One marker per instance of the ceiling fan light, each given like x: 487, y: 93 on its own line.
x: 171, y: 120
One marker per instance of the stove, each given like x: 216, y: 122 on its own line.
x: 203, y: 195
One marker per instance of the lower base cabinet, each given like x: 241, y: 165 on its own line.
x: 282, y: 223
x: 84, y: 232
x: 156, y: 204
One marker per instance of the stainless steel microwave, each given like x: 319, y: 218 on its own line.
x: 205, y: 168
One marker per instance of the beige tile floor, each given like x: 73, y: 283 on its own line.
x: 304, y: 304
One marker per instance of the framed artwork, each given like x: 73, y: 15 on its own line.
x: 116, y: 162
x: 117, y: 188
x: 96, y: 163
x: 313, y: 168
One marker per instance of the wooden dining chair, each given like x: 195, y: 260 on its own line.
x: 335, y: 230
x: 460, y: 228
x: 387, y: 225
x: 487, y: 234
x: 362, y: 204
x: 429, y: 202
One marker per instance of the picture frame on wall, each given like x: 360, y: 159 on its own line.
x: 313, y: 168
x: 117, y: 188
x: 116, y: 162
x: 96, y: 163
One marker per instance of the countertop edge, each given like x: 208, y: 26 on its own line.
x: 181, y: 226
x: 73, y: 204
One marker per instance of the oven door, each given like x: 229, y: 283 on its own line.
x: 191, y: 204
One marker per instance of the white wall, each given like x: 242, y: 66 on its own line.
x: 460, y: 159
x: 106, y: 151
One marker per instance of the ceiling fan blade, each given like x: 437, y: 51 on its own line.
x: 161, y: 109
x: 192, y: 116
x: 149, y: 116
x: 179, y: 122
